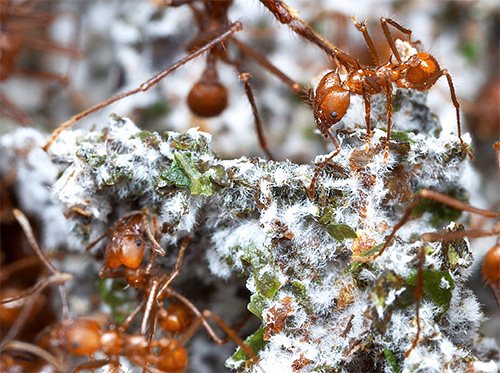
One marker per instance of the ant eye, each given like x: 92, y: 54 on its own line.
x: 334, y: 114
x: 138, y: 242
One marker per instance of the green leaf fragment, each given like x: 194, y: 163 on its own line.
x: 255, y: 341
x: 438, y: 285
x: 391, y: 361
x: 118, y: 297
x: 183, y: 173
x: 341, y: 232
x: 257, y: 304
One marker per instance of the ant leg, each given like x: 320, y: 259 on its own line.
x: 388, y: 93
x: 417, y: 294
x: 366, y: 98
x: 264, y: 62
x: 225, y: 33
x: 175, y: 272
x: 288, y: 16
x: 58, y: 278
x: 16, y: 113
x: 130, y: 318
x: 438, y: 197
x: 450, y: 236
x: 457, y: 108
x: 51, y: 47
x: 25, y: 225
x: 150, y: 305
x: 35, y: 350
x: 42, y: 75
x: 361, y: 26
x: 244, y: 77
x: 383, y: 23
x: 310, y: 190
x: 91, y: 365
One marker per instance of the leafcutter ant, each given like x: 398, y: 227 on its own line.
x: 414, y: 70
x: 24, y: 26
x: 154, y: 351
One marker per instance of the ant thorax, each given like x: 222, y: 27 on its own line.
x: 405, y: 49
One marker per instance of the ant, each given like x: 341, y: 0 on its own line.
x: 208, y: 96
x: 18, y: 305
x: 491, y: 262
x: 22, y: 27
x: 179, y: 320
x: 412, y: 70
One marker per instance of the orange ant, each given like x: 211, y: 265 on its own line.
x: 179, y: 320
x: 22, y: 26
x: 416, y: 70
x: 208, y: 97
x: 491, y: 262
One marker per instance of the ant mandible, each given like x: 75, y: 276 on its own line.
x: 22, y: 25
x: 491, y: 262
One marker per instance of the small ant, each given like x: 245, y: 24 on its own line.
x: 491, y: 262
x: 179, y: 320
x: 23, y: 26
x: 415, y: 70
x: 208, y: 97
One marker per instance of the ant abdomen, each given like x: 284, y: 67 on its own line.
x: 172, y: 358
x: 331, y: 101
x: 175, y: 319
x: 491, y: 267
x: 207, y: 98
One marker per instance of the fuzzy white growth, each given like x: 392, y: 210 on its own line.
x: 255, y: 217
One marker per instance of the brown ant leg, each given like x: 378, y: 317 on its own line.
x: 310, y: 190
x: 225, y: 33
x: 366, y: 98
x: 388, y: 94
x: 156, y: 246
x: 288, y: 16
x: 51, y: 47
x: 264, y: 62
x: 417, y: 294
x: 16, y: 113
x: 42, y: 75
x: 130, y: 318
x: 175, y: 272
x: 91, y: 365
x: 361, y: 26
x: 244, y: 76
x: 383, y: 23
x: 441, y: 198
x: 150, y: 304
x: 59, y: 278
x: 36, y: 351
x: 25, y: 225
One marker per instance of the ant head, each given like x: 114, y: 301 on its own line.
x: 331, y: 100
x: 207, y: 98
x: 79, y: 336
x: 127, y: 250
x: 172, y: 358
x: 491, y: 266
